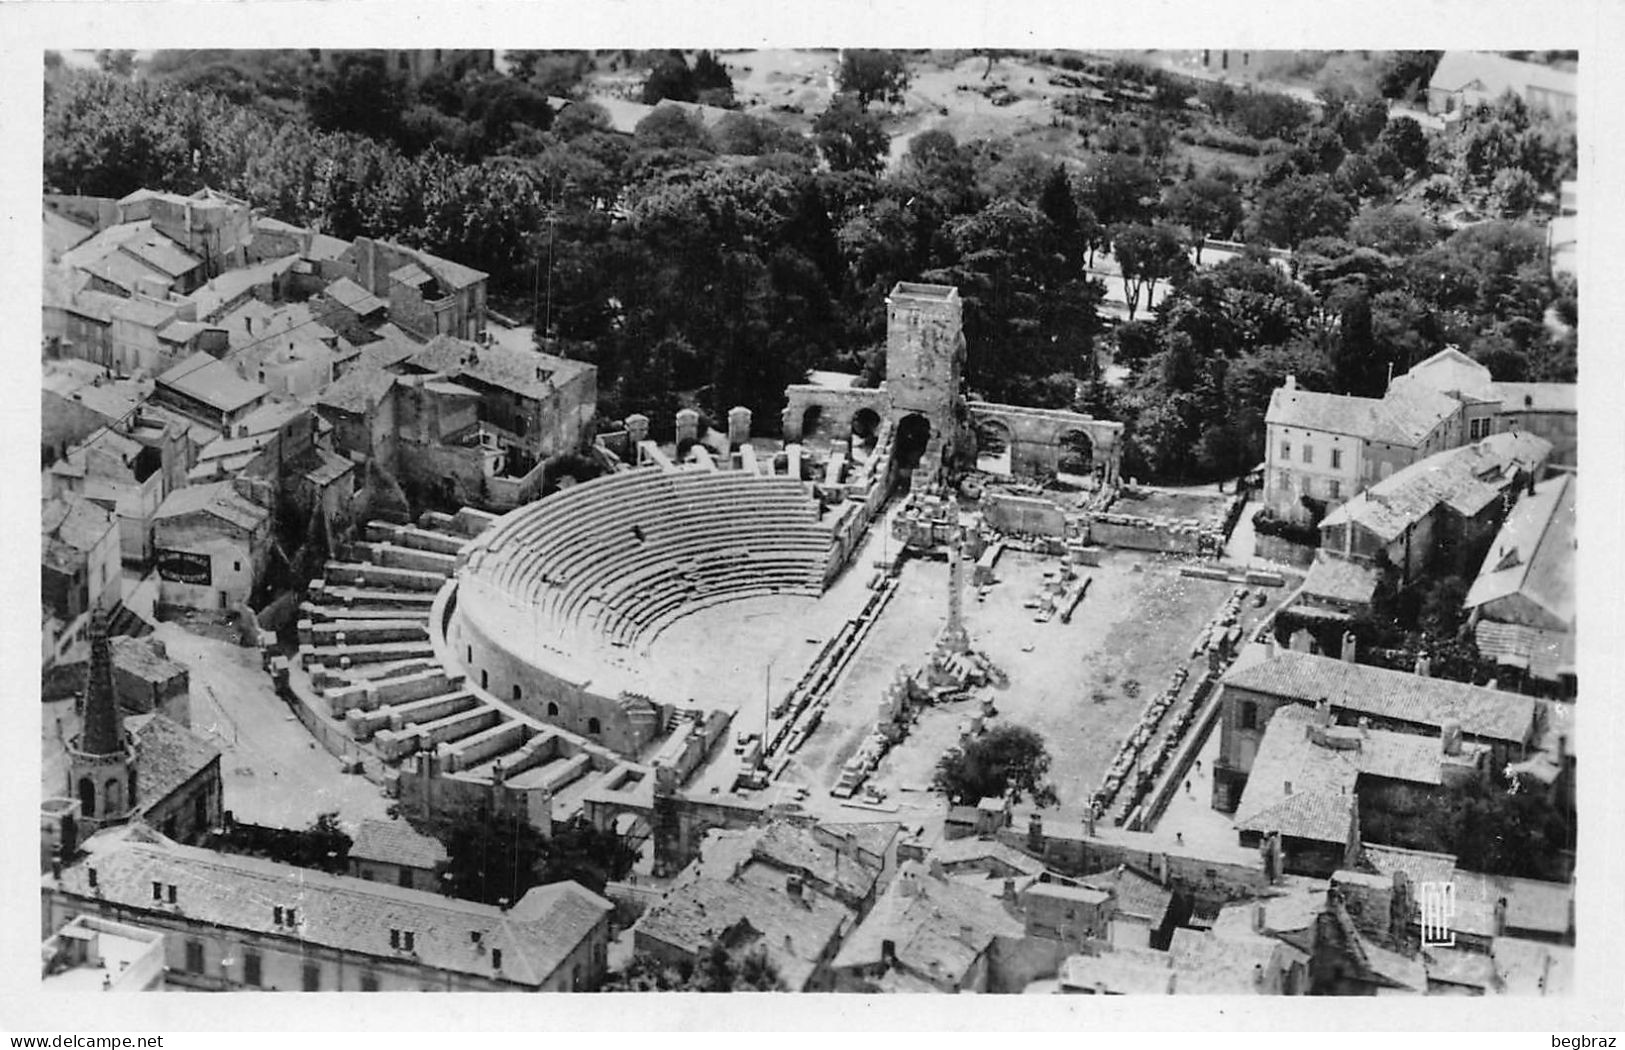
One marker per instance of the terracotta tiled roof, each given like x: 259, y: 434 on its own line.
x: 929, y: 920
x: 1533, y: 555
x: 1340, y: 580
x: 167, y: 756
x: 396, y: 842
x: 1381, y: 693
x: 336, y: 911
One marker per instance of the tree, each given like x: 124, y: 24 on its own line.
x: 581, y: 852
x: 1404, y: 137
x: 325, y: 845
x: 1514, y: 192
x: 872, y: 75
x: 850, y: 137
x: 1393, y: 229
x: 493, y: 860
x: 670, y: 78
x: 712, y: 84
x: 1206, y: 206
x: 1302, y: 206
x: 717, y: 970
x: 118, y: 63
x: 1118, y: 189
x: 1146, y: 255
x: 1009, y: 759
x: 580, y: 118
x: 1408, y: 73
x: 671, y: 128
x: 744, y: 134
x: 360, y: 94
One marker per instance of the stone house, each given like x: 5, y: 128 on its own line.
x: 394, y: 852
x: 1439, y: 513
x: 1265, y: 679
x: 1464, y: 79
x: 235, y: 923
x: 209, y: 391
x: 122, y: 473
x: 147, y: 681
x: 212, y: 544
x: 79, y: 568
x: 427, y: 295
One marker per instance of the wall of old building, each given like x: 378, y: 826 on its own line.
x: 235, y: 561
x: 192, y: 810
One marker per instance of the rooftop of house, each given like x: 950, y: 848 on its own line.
x: 1138, y: 894
x: 454, y: 276
x: 1460, y: 967
x: 1118, y: 973
x: 1303, y: 779
x: 1419, y: 866
x: 144, y: 658
x: 167, y: 756
x: 794, y: 933
x: 1539, y: 397
x: 1452, y: 372
x: 1380, y: 693
x: 972, y: 852
x: 1547, y: 655
x: 62, y: 233
x: 226, y: 287
x: 353, y: 297
x: 339, y: 912
x: 327, y: 467
x: 1533, y: 554
x: 76, y: 522
x: 1496, y: 74
x: 219, y: 499
x: 1291, y: 406
x: 162, y: 254
x: 527, y: 373
x: 1532, y: 968
x: 1238, y: 963
x: 397, y: 842
x: 1293, y: 908
x: 936, y: 926
x: 1533, y: 905
x: 104, y: 242
x: 1340, y: 580
x: 359, y: 390
x: 149, y: 313
x: 1465, y: 479
x: 128, y: 273
x: 213, y: 382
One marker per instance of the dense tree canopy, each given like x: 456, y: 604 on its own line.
x: 1008, y: 760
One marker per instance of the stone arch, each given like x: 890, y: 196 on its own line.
x: 552, y: 709
x: 594, y: 727
x: 811, y: 419
x: 1076, y: 453
x: 913, y: 437
x: 995, y: 441
x: 112, y: 797
x: 865, y: 426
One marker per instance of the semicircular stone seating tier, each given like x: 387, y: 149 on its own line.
x: 621, y: 558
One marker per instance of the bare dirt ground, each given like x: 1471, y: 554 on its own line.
x: 274, y: 772
x: 1067, y: 681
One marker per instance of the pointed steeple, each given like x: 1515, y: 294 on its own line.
x: 101, y: 735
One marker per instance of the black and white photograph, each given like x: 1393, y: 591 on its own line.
x: 1037, y: 520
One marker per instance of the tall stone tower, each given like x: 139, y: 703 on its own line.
x: 101, y: 763
x: 925, y: 359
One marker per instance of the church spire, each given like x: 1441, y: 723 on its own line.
x: 101, y: 734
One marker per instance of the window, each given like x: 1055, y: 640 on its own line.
x: 485, y: 679
x: 394, y: 938
x: 194, y: 956
x: 406, y: 940
x: 236, y: 566
x: 593, y: 726
x: 1249, y: 715
x: 552, y: 709
x: 369, y: 982
x: 1286, y: 450
x: 404, y: 877
x: 1308, y: 454
x: 251, y: 969
x: 1334, y: 489
x: 157, y: 891
x: 313, y: 977
x: 1337, y: 459
x: 516, y: 693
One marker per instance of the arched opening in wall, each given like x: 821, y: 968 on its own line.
x: 113, y: 796
x: 995, y: 445
x: 913, y: 435
x: 1077, y: 454
x: 552, y: 709
x: 594, y: 727
x: 87, y: 796
x: 810, y: 420
x: 865, y: 428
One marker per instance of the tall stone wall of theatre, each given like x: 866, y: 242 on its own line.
x: 534, y: 690
x: 924, y: 340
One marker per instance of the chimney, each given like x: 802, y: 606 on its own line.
x: 1009, y: 888
x: 56, y: 869
x: 1291, y: 382
x: 503, y: 903
x: 1259, y: 923
x: 93, y: 878
x: 888, y: 952
x: 1450, y: 738
x: 1035, y: 833
x: 789, y: 943
x: 1258, y: 975
x: 1423, y: 666
x: 1500, y: 917
x: 792, y: 885
x: 1286, y: 787
x: 1089, y: 817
